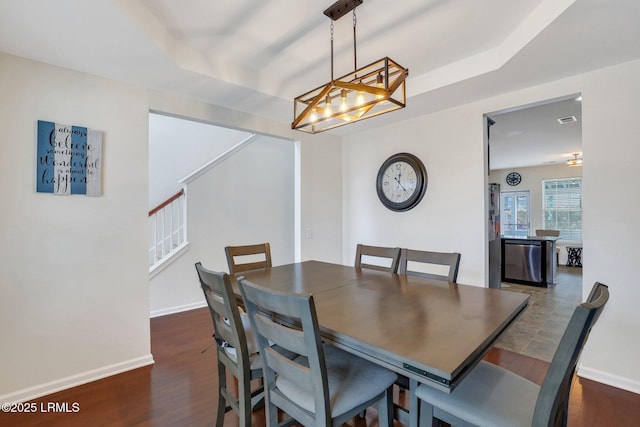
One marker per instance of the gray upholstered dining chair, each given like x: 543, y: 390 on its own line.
x: 450, y: 259
x: 235, y: 253
x: 493, y: 396
x: 388, y: 255
x: 236, y: 347
x: 322, y: 386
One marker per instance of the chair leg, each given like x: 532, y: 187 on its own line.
x: 426, y: 415
x: 222, y: 404
x: 271, y: 412
x: 414, y: 405
x: 244, y: 400
x: 385, y: 408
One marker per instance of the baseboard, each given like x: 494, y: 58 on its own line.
x: 177, y: 309
x: 609, y: 379
x: 76, y: 380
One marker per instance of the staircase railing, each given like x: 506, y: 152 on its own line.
x: 167, y: 229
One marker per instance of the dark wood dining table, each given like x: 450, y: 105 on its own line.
x: 431, y: 331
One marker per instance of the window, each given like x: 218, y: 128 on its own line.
x: 562, y: 207
x: 514, y: 218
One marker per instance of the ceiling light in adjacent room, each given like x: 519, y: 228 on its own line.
x: 576, y: 161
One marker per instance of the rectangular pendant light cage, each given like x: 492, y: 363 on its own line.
x: 369, y: 91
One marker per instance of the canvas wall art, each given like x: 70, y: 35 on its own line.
x: 69, y: 159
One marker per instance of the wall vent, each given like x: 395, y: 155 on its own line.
x: 568, y: 119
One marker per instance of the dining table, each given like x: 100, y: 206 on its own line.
x: 431, y: 331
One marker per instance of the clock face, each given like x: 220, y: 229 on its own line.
x: 401, y: 182
x: 513, y: 178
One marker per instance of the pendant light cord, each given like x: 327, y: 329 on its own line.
x: 355, y: 51
x: 332, y: 50
x: 355, y: 57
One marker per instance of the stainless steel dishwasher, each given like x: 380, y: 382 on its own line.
x: 522, y: 260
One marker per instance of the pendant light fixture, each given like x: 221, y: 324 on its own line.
x: 372, y: 90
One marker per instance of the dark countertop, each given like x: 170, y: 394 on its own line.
x: 536, y: 238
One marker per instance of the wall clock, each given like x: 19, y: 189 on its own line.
x: 513, y: 178
x: 401, y: 182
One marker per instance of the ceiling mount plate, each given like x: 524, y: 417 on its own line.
x: 341, y: 8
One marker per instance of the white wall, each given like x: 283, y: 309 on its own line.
x: 321, y: 199
x: 247, y: 198
x: 453, y: 212
x: 611, y: 105
x: 178, y: 147
x: 450, y: 216
x: 74, y: 273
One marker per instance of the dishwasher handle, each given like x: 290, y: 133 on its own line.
x: 521, y: 243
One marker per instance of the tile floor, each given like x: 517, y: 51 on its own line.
x: 538, y: 330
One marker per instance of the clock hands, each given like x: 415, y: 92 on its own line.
x: 402, y: 191
x: 400, y: 184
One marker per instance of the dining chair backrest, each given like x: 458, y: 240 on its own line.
x: 322, y: 385
x: 552, y: 404
x: 544, y: 232
x: 390, y: 256
x: 259, y: 256
x: 449, y: 259
x: 222, y: 306
x: 233, y: 350
x: 304, y: 341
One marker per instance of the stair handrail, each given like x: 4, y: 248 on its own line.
x: 166, y: 202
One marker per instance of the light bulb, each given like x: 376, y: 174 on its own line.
x: 328, y: 111
x: 343, y: 100
x: 360, y: 99
x: 379, y: 84
x: 314, y: 115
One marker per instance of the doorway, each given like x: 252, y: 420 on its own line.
x: 534, y: 142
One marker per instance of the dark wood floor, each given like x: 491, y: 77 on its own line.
x: 180, y: 389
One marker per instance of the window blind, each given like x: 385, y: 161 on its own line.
x: 562, y: 207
